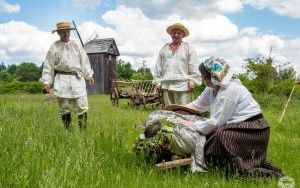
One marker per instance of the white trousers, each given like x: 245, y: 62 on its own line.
x: 176, y: 97
x: 80, y: 105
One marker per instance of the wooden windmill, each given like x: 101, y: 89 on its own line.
x: 102, y: 54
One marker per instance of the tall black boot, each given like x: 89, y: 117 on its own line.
x: 66, y: 118
x: 82, y: 121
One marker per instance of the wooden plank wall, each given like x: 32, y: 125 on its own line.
x: 104, y: 73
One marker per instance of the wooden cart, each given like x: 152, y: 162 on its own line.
x: 138, y: 93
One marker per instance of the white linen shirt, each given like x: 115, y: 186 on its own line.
x: 67, y: 57
x: 173, y: 71
x: 232, y: 104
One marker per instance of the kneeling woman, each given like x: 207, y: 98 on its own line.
x: 237, y: 133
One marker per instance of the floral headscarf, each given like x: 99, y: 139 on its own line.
x: 220, y: 71
x: 217, y: 67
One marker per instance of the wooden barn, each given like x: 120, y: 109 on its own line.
x: 103, y: 55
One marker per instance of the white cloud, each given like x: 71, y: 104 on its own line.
x: 251, y: 43
x: 291, y: 51
x: 212, y: 28
x: 87, y: 4
x: 140, y: 38
x: 9, y: 8
x: 138, y: 35
x: 197, y: 9
x: 284, y: 8
x: 20, y: 41
x: 91, y: 30
x: 3, y: 54
x: 187, y: 8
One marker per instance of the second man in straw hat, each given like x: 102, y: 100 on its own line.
x: 176, y: 72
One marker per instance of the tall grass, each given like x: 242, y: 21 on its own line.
x: 36, y: 150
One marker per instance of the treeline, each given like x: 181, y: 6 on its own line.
x: 260, y: 77
x: 126, y: 72
x: 20, y: 78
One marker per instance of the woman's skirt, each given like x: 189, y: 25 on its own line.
x: 241, y: 147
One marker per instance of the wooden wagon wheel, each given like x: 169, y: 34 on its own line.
x: 114, y: 97
x: 138, y: 100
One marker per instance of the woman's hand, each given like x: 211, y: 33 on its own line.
x: 185, y: 122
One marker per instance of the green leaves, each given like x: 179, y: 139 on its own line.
x: 28, y: 72
x: 262, y: 76
x: 126, y: 72
x: 156, y: 147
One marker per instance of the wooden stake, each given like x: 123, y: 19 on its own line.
x: 174, y: 163
x: 283, y: 112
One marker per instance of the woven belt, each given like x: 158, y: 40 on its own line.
x: 66, y: 73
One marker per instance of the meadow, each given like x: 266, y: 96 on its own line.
x: 36, y: 150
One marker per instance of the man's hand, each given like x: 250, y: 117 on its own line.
x: 191, y: 86
x: 46, y: 88
x: 158, y: 87
x: 91, y: 82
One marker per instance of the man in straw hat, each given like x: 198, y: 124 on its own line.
x: 67, y: 66
x: 176, y: 72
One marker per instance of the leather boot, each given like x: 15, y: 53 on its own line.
x: 82, y: 121
x: 66, y: 118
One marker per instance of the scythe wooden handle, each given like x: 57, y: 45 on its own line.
x: 174, y: 163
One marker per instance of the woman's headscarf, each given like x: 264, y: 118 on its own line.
x: 220, y: 71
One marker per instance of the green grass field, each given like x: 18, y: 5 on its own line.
x: 36, y: 150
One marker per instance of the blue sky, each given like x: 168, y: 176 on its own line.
x: 267, y: 22
x: 45, y: 14
x: 233, y: 29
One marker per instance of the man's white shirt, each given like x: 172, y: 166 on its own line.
x: 67, y: 57
x: 173, y: 71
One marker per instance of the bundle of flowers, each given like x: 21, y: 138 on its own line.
x: 155, y: 140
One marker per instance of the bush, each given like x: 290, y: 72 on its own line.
x: 28, y: 72
x: 262, y: 73
x: 5, y: 76
x: 20, y: 87
x: 284, y: 87
x: 248, y: 83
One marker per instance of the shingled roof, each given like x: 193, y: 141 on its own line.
x: 102, y: 46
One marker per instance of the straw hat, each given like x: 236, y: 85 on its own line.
x: 184, y: 110
x: 178, y: 26
x: 63, y: 26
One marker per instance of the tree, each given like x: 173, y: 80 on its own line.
x: 11, y: 69
x: 262, y: 76
x: 286, y: 73
x: 262, y: 73
x: 142, y: 74
x: 27, y: 71
x: 5, y: 76
x: 2, y: 66
x: 137, y: 76
x: 124, y: 70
